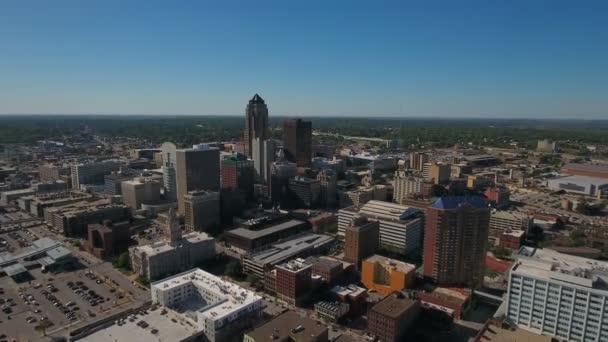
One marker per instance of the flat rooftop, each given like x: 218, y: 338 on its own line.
x: 552, y: 265
x: 284, y: 250
x: 231, y: 296
x: 164, y: 246
x: 289, y: 326
x: 168, y: 330
x: 396, y: 265
x: 586, y: 167
x: 393, y: 306
x: 382, y: 210
x: 576, y: 179
x: 256, y: 234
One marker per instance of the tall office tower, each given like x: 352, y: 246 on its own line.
x: 297, y: 141
x: 172, y: 231
x: 304, y: 192
x: 360, y: 239
x: 202, y: 210
x: 455, y: 240
x: 418, y: 159
x: 263, y: 155
x: 198, y: 168
x: 238, y: 173
x: 328, y: 180
x: 280, y: 173
x: 256, y: 122
x: 140, y: 191
x: 440, y: 173
x: 169, y: 175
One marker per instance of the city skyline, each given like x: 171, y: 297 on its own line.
x: 390, y: 60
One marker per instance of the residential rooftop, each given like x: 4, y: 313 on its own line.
x: 230, y: 297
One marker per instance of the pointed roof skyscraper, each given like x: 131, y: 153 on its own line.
x: 256, y: 123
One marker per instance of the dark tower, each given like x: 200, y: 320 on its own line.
x: 256, y: 123
x: 297, y: 141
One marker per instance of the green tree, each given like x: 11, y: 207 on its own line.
x: 252, y: 279
x: 234, y: 270
x: 123, y: 261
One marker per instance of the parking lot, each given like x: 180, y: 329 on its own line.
x: 56, y: 303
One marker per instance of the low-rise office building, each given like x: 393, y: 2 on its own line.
x: 400, y: 226
x: 288, y: 327
x: 385, y: 275
x: 250, y: 240
x: 389, y: 320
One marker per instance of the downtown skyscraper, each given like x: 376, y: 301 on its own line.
x: 256, y: 123
x: 297, y: 141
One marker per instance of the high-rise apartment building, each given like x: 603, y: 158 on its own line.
x: 198, y: 168
x: 405, y: 186
x: 417, y: 160
x: 256, y: 122
x: 360, y: 239
x: 297, y: 141
x: 263, y: 155
x: 559, y: 295
x: 455, y: 240
x: 201, y: 210
x: 238, y: 173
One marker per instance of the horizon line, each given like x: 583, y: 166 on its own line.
x: 358, y: 116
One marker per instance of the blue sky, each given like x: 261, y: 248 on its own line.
x: 426, y: 58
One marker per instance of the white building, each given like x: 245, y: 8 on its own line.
x: 215, y: 306
x: 559, y: 295
x: 584, y: 185
x: 263, y: 155
x: 400, y: 226
x: 404, y: 185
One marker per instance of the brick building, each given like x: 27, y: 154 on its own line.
x: 389, y: 320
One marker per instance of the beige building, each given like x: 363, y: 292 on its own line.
x: 404, y: 186
x: 140, y: 191
x: 197, y: 168
x: 201, y: 210
x: 174, y: 254
x: 440, y: 173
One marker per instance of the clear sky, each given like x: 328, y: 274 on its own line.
x: 485, y: 58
